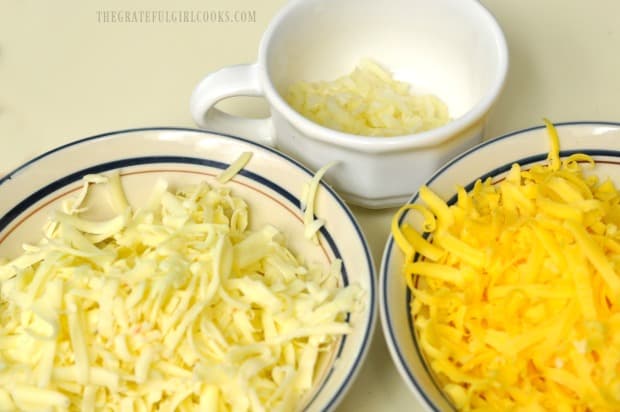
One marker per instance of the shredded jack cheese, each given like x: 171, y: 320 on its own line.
x: 176, y: 306
x: 308, y: 198
x: 516, y: 293
x: 235, y: 167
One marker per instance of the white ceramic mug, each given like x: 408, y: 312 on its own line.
x: 451, y: 48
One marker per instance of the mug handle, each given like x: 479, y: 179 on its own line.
x: 231, y: 81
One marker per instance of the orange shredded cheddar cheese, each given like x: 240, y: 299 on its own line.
x: 516, y: 288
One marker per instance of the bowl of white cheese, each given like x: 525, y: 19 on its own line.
x: 389, y: 89
x: 176, y: 269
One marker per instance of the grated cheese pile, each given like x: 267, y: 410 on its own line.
x: 367, y: 102
x: 176, y: 306
x: 516, y: 293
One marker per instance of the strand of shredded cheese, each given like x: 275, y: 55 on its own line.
x: 308, y: 199
x: 174, y: 306
x: 517, y: 290
x: 235, y: 167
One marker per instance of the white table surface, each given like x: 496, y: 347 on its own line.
x: 65, y: 73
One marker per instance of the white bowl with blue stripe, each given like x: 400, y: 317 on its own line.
x: 271, y: 183
x: 493, y: 158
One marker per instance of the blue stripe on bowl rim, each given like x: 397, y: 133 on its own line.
x: 64, y: 181
x: 390, y: 242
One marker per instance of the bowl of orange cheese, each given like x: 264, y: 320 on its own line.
x: 500, y: 284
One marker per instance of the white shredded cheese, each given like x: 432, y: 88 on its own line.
x: 235, y: 167
x: 308, y: 199
x: 174, y: 306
